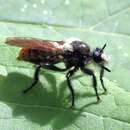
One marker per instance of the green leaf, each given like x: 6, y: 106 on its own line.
x: 47, y: 106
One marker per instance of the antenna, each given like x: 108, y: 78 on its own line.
x: 103, y: 48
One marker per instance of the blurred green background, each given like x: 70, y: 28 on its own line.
x: 46, y: 107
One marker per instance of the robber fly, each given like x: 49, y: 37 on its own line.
x: 74, y: 53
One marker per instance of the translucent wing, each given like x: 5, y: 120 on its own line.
x: 34, y: 43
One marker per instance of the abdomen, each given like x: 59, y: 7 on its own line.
x: 37, y: 56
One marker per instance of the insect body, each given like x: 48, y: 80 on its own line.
x: 74, y: 53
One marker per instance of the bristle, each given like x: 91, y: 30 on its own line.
x: 68, y: 43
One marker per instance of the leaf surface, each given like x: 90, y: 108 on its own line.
x: 46, y: 107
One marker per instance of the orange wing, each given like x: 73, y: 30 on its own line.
x: 34, y: 43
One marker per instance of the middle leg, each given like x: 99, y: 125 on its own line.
x: 68, y: 76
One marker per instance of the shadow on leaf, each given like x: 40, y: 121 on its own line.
x: 43, y: 105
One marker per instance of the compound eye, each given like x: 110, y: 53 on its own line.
x: 97, y: 53
x: 97, y: 49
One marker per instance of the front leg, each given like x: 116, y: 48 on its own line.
x: 91, y: 73
x: 101, y: 76
x: 101, y: 79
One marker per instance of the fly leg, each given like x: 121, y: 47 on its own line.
x: 68, y: 76
x: 91, y: 73
x: 37, y: 72
x: 36, y: 79
x: 53, y: 67
x: 101, y: 77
